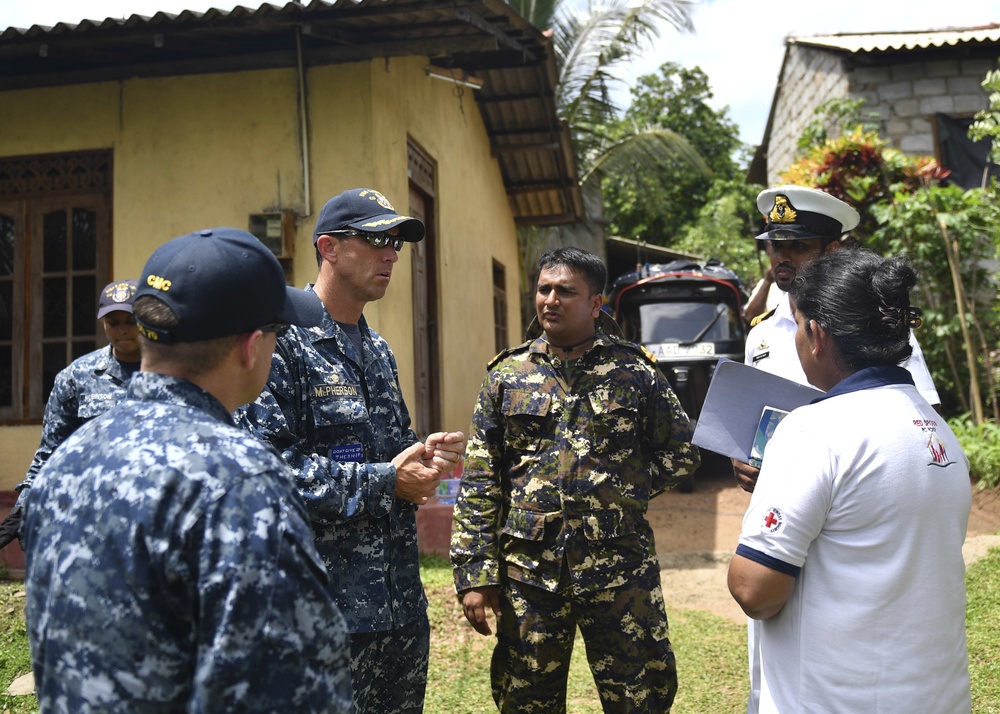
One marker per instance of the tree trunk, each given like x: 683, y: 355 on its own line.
x: 951, y: 250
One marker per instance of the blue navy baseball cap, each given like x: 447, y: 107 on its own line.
x: 221, y: 282
x: 365, y: 209
x: 116, y: 297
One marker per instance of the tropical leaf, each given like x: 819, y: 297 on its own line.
x: 645, y: 151
x: 589, y: 46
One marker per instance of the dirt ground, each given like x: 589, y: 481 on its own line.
x: 696, y: 533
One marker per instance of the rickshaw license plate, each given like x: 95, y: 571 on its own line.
x: 674, y: 349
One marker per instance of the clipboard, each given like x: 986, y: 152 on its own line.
x: 736, y: 398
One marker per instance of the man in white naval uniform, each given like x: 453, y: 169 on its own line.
x: 802, y: 224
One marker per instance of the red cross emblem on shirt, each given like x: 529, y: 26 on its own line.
x: 772, y: 520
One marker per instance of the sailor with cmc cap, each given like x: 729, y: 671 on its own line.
x: 170, y: 564
x: 87, y: 388
x: 802, y: 224
x: 334, y: 409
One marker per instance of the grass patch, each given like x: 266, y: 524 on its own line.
x: 14, y: 658
x: 711, y: 659
x: 982, y: 618
x: 711, y: 652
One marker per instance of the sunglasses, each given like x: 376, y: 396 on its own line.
x: 377, y: 240
x: 278, y: 328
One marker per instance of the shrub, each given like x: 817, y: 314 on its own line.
x: 981, y: 445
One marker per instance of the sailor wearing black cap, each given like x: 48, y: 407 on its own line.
x: 85, y: 389
x: 334, y: 409
x: 170, y: 563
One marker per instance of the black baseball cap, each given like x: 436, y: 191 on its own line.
x: 365, y: 209
x: 221, y: 282
x: 116, y: 296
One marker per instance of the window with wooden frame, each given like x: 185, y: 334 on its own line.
x: 55, y: 255
x: 500, y: 306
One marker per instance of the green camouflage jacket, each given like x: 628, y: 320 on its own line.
x: 559, y: 471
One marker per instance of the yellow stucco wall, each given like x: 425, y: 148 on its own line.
x: 206, y: 150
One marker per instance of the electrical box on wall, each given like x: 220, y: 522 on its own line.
x: 275, y: 230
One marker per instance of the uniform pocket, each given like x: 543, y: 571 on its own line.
x: 526, y: 414
x: 616, y: 420
x: 604, y: 525
x: 525, y: 525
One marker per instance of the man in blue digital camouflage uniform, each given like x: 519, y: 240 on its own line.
x: 574, y: 432
x: 334, y: 410
x: 85, y: 389
x: 170, y: 565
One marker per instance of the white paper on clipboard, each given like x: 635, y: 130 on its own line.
x: 736, y: 397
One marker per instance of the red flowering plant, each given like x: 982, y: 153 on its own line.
x: 859, y: 168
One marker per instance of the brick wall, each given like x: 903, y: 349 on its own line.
x: 905, y: 95
x: 809, y: 78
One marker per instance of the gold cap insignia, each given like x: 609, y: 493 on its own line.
x: 783, y: 211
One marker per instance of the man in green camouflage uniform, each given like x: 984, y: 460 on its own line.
x: 573, y: 433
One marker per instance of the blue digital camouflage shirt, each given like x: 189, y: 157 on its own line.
x: 563, y: 471
x: 170, y: 567
x: 87, y: 388
x: 338, y: 418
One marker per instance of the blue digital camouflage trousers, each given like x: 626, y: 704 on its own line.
x: 389, y: 669
x: 626, y: 636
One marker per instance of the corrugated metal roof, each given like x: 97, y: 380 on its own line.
x: 484, y: 38
x: 894, y: 41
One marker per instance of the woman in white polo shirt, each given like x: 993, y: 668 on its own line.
x: 851, y: 550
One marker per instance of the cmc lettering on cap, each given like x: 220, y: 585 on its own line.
x: 147, y: 333
x: 158, y: 283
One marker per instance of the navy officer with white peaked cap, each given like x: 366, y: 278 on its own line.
x: 802, y: 224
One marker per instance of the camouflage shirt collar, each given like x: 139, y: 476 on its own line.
x: 540, y: 346
x: 155, y: 387
x: 329, y: 329
x: 107, y: 361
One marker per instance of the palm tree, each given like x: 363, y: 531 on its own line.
x: 590, y: 44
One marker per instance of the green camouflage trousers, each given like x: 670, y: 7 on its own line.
x: 624, y: 630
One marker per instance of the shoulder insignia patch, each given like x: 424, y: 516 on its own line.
x: 635, y: 346
x: 760, y: 318
x: 504, y: 353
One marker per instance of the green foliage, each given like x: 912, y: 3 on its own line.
x: 982, y: 618
x: 859, y: 168
x: 656, y: 203
x: 836, y: 117
x: 590, y: 47
x: 981, y: 445
x: 724, y: 228
x: 913, y: 224
x: 905, y: 209
x: 987, y: 123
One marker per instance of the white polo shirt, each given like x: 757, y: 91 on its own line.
x: 866, y: 496
x: 770, y: 346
